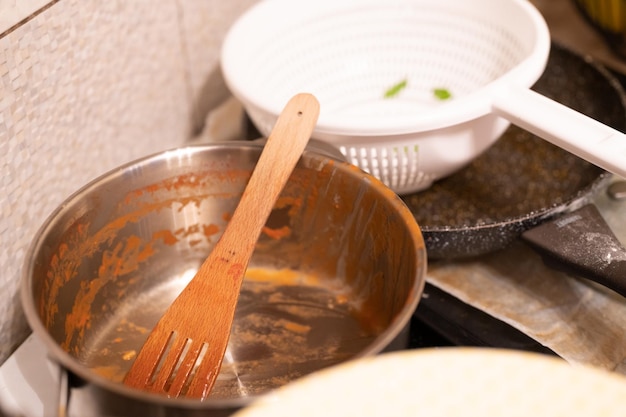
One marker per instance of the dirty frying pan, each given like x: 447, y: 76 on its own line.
x: 522, y: 181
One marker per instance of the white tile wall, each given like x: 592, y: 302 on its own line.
x: 13, y: 11
x: 86, y: 86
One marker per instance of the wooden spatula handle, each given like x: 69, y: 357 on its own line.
x: 202, y: 315
x: 277, y: 161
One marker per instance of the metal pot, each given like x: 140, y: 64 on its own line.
x: 338, y: 273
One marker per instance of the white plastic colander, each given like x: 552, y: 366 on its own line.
x: 349, y: 53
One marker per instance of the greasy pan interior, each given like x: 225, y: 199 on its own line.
x: 339, y: 269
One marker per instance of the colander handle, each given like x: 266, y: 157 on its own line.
x: 566, y: 128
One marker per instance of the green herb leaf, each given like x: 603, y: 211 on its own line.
x: 442, y: 93
x: 395, y: 90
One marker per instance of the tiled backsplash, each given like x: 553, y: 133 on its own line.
x: 85, y: 86
x: 13, y: 12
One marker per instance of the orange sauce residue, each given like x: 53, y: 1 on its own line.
x: 129, y: 354
x: 277, y: 233
x: 281, y: 277
x: 166, y: 236
x: 294, y: 204
x: 127, y: 255
x: 295, y: 327
x: 111, y: 372
x: 187, y: 231
x: 133, y: 327
x: 210, y: 230
x: 82, y: 241
x: 124, y: 258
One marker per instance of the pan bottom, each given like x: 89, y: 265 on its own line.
x: 286, y: 325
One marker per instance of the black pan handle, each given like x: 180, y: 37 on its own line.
x: 581, y: 243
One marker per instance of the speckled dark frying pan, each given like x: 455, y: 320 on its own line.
x: 522, y: 181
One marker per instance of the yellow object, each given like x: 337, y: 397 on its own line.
x: 607, y: 14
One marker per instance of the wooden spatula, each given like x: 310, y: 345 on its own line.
x: 184, y: 351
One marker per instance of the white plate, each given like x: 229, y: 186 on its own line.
x: 459, y: 382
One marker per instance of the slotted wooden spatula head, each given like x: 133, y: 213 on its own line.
x: 184, y: 351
